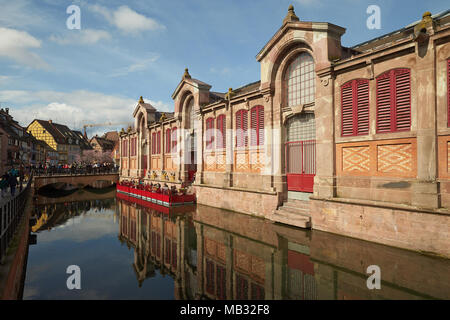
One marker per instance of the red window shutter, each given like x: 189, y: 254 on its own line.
x: 239, y: 129
x: 355, y: 107
x: 402, y: 100
x: 221, y: 139
x: 245, y: 128
x: 254, y: 126
x: 168, y: 141
x: 394, y: 101
x: 158, y: 137
x: 384, y: 94
x: 209, y: 133
x: 174, y: 140
x: 257, y: 126
x: 261, y: 126
x: 347, y: 109
x: 362, y: 107
x: 448, y: 92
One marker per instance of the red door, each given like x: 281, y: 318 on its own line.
x: 301, y: 165
x: 300, y: 153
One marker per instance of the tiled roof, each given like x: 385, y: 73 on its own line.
x: 395, y: 35
x: 59, y: 138
x: 104, y: 143
x: 112, y: 135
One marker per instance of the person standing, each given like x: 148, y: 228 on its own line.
x: 4, y: 184
x: 12, y: 180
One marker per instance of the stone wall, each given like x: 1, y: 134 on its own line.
x: 413, y: 230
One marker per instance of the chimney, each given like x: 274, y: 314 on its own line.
x: 7, y: 110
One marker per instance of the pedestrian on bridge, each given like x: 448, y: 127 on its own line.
x: 4, y: 184
x: 12, y: 180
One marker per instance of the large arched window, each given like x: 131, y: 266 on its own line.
x: 299, y: 80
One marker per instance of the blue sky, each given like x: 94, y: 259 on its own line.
x: 126, y: 49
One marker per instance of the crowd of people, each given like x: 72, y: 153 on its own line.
x: 157, y: 187
x: 11, y: 179
x: 75, y: 168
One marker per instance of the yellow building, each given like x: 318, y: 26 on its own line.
x: 47, y: 132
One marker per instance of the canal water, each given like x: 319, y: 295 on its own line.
x: 128, y: 251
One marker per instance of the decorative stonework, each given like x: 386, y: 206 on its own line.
x: 325, y: 81
x: 249, y: 265
x: 384, y: 158
x: 241, y: 162
x: 356, y: 159
x: 395, y: 158
x: 215, y: 250
x: 215, y: 161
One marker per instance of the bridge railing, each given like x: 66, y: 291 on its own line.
x: 74, y: 171
x: 11, y: 212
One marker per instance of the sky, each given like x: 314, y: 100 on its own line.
x: 128, y: 49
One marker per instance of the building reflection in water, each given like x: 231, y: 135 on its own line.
x: 214, y: 254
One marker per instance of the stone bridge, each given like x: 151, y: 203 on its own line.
x: 79, y: 181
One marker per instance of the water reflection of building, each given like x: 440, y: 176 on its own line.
x: 57, y: 212
x: 241, y: 257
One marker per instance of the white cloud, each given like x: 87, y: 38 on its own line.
x: 75, y: 108
x: 4, y: 79
x: 141, y: 65
x: 16, y: 45
x: 83, y: 37
x: 127, y: 20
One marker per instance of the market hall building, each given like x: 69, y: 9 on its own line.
x: 353, y: 141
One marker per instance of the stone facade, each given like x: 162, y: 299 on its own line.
x: 386, y: 161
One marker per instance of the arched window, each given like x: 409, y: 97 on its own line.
x: 257, y: 126
x: 241, y: 128
x: 299, y: 80
x: 394, y: 101
x: 168, y: 141
x: 221, y: 132
x: 209, y: 133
